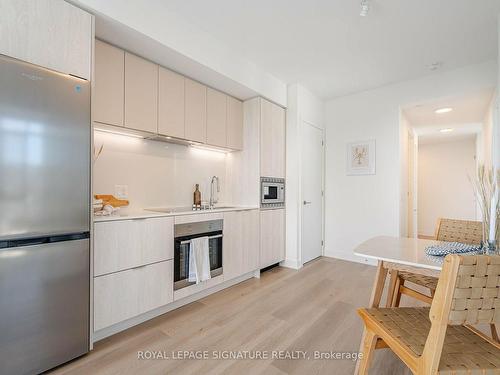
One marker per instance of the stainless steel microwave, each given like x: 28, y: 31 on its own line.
x: 272, y: 192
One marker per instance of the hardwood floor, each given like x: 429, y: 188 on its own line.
x: 308, y: 310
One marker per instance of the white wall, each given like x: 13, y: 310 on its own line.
x: 302, y: 106
x: 444, y: 187
x: 157, y: 174
x: 486, y: 137
x: 360, y: 207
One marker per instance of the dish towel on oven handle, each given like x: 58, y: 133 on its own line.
x: 199, y: 260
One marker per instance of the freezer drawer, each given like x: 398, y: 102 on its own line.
x: 44, y: 305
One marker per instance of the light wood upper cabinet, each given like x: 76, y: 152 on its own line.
x: 234, y: 123
x: 171, y: 104
x: 109, y: 80
x: 141, y: 94
x: 52, y: 34
x: 216, y: 118
x: 272, y: 237
x: 138, y: 94
x: 195, y: 111
x: 272, y: 140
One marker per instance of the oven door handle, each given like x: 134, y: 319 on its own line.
x: 210, y: 238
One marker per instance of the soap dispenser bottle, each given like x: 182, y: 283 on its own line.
x: 197, y: 197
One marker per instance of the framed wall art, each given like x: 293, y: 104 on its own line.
x: 361, y: 158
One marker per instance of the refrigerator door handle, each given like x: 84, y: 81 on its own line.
x: 31, y: 242
x: 6, y: 244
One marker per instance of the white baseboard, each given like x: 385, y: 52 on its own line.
x: 349, y: 256
x: 109, y: 331
x: 291, y: 263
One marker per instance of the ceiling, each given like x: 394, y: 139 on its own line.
x: 466, y: 118
x: 466, y: 109
x: 326, y: 46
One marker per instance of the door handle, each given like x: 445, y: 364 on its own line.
x: 307, y: 202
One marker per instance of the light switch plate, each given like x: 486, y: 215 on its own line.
x: 121, y: 191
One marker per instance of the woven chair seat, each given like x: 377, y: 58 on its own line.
x: 463, y: 350
x: 426, y: 281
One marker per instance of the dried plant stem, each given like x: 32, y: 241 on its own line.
x: 485, y: 186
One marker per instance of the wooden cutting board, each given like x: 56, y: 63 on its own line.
x: 111, y: 200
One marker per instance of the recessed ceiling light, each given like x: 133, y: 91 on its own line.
x: 443, y: 110
x: 447, y: 130
x: 434, y: 66
x: 365, y: 8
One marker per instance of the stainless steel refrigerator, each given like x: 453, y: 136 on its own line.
x: 45, y: 135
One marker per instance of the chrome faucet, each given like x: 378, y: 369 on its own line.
x: 214, y: 197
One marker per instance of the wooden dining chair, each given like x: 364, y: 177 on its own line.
x: 437, y: 339
x: 450, y: 230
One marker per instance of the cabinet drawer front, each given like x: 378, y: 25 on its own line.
x: 117, y: 246
x: 124, y: 295
x: 195, y: 288
x: 121, y: 245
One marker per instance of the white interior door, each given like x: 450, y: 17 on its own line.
x: 312, y: 196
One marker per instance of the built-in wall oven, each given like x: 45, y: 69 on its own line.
x: 184, y: 233
x: 272, y: 192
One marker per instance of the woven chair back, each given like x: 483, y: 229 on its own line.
x: 463, y: 231
x: 476, y: 298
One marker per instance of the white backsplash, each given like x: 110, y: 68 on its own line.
x: 157, y: 174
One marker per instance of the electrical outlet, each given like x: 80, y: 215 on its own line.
x: 121, y: 191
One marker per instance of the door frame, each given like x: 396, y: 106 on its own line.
x: 303, y: 123
x: 413, y: 183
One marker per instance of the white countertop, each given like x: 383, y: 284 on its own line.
x: 402, y: 250
x: 128, y: 214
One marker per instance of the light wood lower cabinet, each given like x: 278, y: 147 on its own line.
x: 126, y: 294
x: 241, y: 243
x: 196, y: 288
x: 272, y: 237
x: 120, y: 245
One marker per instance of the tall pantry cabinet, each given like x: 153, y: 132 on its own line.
x: 272, y: 164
